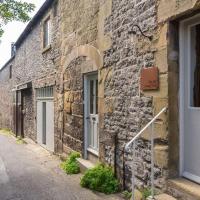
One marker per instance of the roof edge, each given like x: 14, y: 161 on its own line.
x: 6, y: 64
x: 33, y: 22
x: 29, y: 27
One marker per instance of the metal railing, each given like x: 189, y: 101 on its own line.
x: 133, y: 141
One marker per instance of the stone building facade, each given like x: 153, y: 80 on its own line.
x: 31, y: 63
x: 109, y: 42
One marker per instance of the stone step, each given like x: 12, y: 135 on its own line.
x: 164, y: 197
x: 84, y: 164
x: 183, y: 189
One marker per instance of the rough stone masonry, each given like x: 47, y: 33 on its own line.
x: 100, y: 36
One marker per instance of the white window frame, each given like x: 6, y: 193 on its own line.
x: 47, y: 22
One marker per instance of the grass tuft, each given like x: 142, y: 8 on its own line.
x: 71, y: 166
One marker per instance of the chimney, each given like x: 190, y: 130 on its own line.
x: 13, y: 49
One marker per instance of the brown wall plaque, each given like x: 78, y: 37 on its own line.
x: 149, y: 78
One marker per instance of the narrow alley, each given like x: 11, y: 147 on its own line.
x: 28, y: 172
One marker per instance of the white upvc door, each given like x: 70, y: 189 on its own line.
x: 45, y: 124
x: 50, y: 125
x: 91, y: 113
x: 45, y: 117
x: 189, y: 110
x: 39, y: 122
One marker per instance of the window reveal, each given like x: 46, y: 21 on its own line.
x: 46, y: 32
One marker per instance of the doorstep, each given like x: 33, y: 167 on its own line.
x: 183, y: 189
x: 164, y: 197
x: 85, y: 164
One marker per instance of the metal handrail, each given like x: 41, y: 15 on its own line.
x: 151, y: 123
x: 140, y: 133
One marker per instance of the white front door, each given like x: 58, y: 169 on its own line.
x: 91, y: 113
x: 45, y: 118
x: 190, y: 98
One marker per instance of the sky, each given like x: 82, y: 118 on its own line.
x: 12, y: 32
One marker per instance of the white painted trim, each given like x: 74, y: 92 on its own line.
x: 87, y: 77
x: 191, y: 177
x: 85, y: 117
x: 45, y: 99
x: 184, y: 26
x: 181, y: 95
x: 96, y: 153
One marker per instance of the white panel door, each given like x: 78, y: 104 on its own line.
x: 50, y: 125
x: 45, y: 124
x: 190, y: 106
x: 92, y: 115
x: 39, y: 122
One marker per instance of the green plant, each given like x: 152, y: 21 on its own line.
x: 126, y: 194
x: 11, y: 10
x: 146, y: 192
x: 100, y: 178
x: 6, y: 132
x: 71, y: 166
x: 20, y: 140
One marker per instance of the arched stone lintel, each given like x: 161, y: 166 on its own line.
x: 88, y: 51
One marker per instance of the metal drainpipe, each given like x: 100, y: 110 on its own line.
x: 16, y: 113
x: 115, y: 155
x: 124, y: 178
x: 63, y: 120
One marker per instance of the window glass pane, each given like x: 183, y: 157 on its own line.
x: 46, y: 33
x: 46, y: 92
x: 91, y: 97
x: 96, y: 96
x: 195, y: 67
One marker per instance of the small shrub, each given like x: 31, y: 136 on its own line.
x: 127, y: 195
x: 101, y: 179
x: 146, y: 192
x: 71, y: 166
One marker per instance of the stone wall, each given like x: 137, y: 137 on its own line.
x: 79, y: 30
x: 6, y: 98
x: 124, y: 108
x: 31, y: 64
x: 101, y: 36
x: 129, y: 109
x: 73, y: 106
x: 28, y: 116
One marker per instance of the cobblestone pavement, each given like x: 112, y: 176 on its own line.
x: 28, y: 172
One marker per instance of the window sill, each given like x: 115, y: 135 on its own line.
x: 47, y: 48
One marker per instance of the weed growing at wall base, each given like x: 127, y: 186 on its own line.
x: 6, y: 132
x: 142, y: 194
x: 100, y: 178
x: 71, y: 166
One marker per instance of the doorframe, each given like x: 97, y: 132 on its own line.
x: 86, y: 110
x: 45, y: 99
x: 183, y: 46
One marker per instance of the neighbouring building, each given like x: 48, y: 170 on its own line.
x: 88, y: 75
